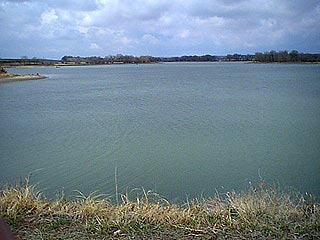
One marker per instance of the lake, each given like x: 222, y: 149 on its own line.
x: 180, y: 129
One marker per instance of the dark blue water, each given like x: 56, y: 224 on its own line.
x: 179, y: 129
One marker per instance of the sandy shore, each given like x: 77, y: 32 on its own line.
x: 6, y: 78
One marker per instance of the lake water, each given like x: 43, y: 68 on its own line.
x: 181, y: 129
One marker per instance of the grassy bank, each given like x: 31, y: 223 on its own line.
x: 256, y: 214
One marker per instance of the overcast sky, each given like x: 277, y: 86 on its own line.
x: 54, y: 28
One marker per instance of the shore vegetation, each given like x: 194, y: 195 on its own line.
x: 266, y: 57
x: 256, y: 214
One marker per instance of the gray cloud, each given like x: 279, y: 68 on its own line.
x: 63, y: 4
x: 54, y: 28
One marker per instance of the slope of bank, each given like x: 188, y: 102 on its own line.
x: 257, y: 214
x: 8, y: 77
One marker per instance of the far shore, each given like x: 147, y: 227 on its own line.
x: 257, y: 62
x: 7, y: 77
x: 121, y: 63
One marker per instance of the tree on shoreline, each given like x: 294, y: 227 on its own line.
x: 284, y: 56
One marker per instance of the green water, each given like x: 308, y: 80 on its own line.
x: 181, y: 129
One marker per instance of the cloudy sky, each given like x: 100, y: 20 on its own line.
x: 54, y: 28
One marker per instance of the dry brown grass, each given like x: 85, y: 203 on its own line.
x: 257, y: 214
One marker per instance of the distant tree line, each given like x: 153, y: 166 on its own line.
x: 119, y: 58
x: 25, y: 61
x: 285, y: 56
x: 266, y: 57
x: 191, y: 58
x: 208, y: 58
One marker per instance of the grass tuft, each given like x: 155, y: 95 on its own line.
x: 256, y: 214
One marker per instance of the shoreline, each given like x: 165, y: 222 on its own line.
x: 8, y: 78
x: 85, y: 65
x: 265, y: 212
x: 257, y: 62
